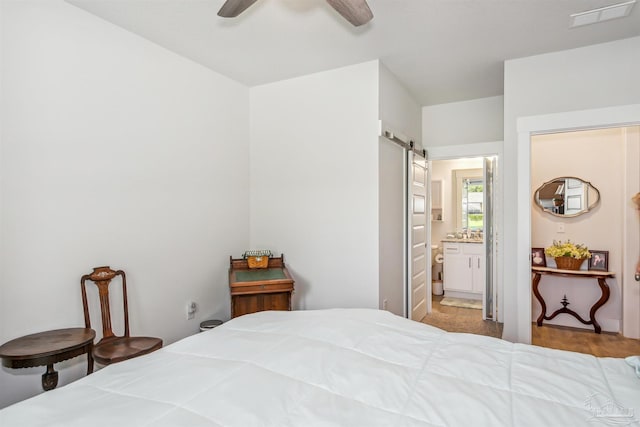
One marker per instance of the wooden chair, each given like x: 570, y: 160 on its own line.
x: 112, y: 348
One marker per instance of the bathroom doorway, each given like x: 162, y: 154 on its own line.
x: 462, y: 237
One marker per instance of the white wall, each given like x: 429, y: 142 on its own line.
x: 314, y: 183
x: 114, y: 152
x: 582, y: 154
x: 402, y: 113
x: 466, y: 122
x: 585, y: 78
x: 392, y: 214
x: 398, y: 108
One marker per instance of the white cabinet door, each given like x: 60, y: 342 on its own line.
x: 464, y: 267
x: 457, y: 269
x: 478, y: 268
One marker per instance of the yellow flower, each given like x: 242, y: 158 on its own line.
x: 559, y: 249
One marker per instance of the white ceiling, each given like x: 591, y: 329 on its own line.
x: 442, y: 50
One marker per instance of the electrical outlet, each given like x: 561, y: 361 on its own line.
x: 385, y: 302
x: 192, y: 307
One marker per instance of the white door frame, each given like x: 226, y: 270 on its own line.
x: 481, y: 149
x: 619, y: 116
x: 631, y: 246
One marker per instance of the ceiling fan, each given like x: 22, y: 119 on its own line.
x: 355, y: 11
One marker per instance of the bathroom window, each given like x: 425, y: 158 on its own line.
x: 472, y: 209
x: 469, y: 199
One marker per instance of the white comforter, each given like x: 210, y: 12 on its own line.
x: 342, y: 368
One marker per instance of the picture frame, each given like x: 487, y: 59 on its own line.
x: 599, y: 261
x: 538, y: 258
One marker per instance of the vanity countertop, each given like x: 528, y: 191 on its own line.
x: 454, y: 240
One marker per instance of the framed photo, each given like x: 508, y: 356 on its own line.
x: 599, y: 260
x: 537, y: 257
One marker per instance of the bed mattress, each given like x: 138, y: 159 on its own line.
x: 342, y: 367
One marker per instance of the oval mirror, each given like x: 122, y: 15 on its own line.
x: 567, y: 196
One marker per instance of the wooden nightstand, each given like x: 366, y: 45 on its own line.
x: 259, y: 289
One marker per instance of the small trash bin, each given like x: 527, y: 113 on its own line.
x: 209, y: 324
x: 436, y: 288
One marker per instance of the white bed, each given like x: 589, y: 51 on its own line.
x: 342, y: 367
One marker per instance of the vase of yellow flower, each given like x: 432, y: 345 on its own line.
x: 568, y: 256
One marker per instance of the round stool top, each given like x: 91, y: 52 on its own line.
x: 47, y: 343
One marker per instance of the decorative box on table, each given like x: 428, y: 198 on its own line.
x: 259, y: 289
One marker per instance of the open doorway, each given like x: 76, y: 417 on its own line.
x: 463, y: 245
x: 578, y: 157
x: 518, y: 295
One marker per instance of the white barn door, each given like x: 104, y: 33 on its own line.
x: 417, y: 236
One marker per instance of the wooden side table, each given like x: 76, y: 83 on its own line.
x: 47, y: 348
x: 604, y: 288
x: 259, y: 289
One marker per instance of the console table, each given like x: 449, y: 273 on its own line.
x: 47, y: 348
x: 600, y: 276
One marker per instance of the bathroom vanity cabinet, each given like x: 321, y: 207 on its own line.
x: 464, y: 268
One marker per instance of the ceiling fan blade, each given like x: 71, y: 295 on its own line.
x: 233, y: 8
x: 355, y: 11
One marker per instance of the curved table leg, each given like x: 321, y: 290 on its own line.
x: 536, y: 292
x: 603, y: 299
x: 49, y: 378
x: 90, y: 360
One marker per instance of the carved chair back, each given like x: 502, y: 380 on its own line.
x: 102, y: 277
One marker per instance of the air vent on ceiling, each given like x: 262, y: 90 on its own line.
x: 601, y: 14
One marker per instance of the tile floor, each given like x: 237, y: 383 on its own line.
x: 457, y: 319
x: 606, y: 344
